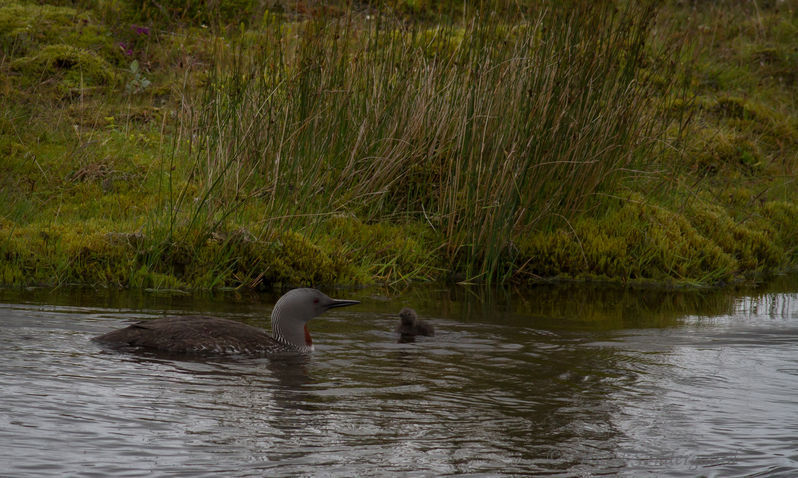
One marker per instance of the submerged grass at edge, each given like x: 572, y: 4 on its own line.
x: 354, y: 147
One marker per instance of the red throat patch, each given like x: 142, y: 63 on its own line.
x: 308, y: 340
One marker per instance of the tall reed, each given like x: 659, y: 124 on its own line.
x: 484, y: 129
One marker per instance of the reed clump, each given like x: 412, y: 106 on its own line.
x: 484, y: 131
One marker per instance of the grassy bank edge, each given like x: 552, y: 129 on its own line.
x: 720, y: 232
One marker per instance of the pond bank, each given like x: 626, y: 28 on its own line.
x: 121, y: 167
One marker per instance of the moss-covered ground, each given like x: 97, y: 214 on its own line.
x: 100, y: 141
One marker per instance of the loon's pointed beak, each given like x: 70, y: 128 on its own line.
x: 342, y: 303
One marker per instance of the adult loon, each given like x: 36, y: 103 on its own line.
x: 209, y: 335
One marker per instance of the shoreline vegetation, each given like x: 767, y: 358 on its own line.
x: 198, y: 145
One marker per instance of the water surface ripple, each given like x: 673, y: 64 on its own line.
x: 605, y: 383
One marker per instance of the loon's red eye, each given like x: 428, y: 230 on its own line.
x: 316, y: 300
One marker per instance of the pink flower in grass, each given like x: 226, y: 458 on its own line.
x: 140, y: 30
x: 125, y: 49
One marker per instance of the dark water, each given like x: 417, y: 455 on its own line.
x: 556, y: 381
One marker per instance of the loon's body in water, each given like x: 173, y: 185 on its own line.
x: 411, y: 325
x: 209, y: 335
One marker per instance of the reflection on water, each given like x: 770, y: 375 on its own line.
x: 556, y: 380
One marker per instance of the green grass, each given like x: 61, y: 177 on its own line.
x: 395, y: 142
x: 483, y: 131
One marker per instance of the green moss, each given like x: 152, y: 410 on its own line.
x: 753, y: 250
x: 234, y: 260
x: 748, y: 116
x: 294, y: 259
x: 73, y: 68
x: 730, y: 107
x: 143, y: 278
x: 27, y: 28
x: 383, y: 252
x: 781, y: 219
x: 738, y: 196
x: 23, y: 27
x: 714, y: 75
x: 438, y: 41
x: 636, y: 242
x: 95, y: 260
x: 724, y: 151
x: 778, y: 65
x: 64, y: 255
